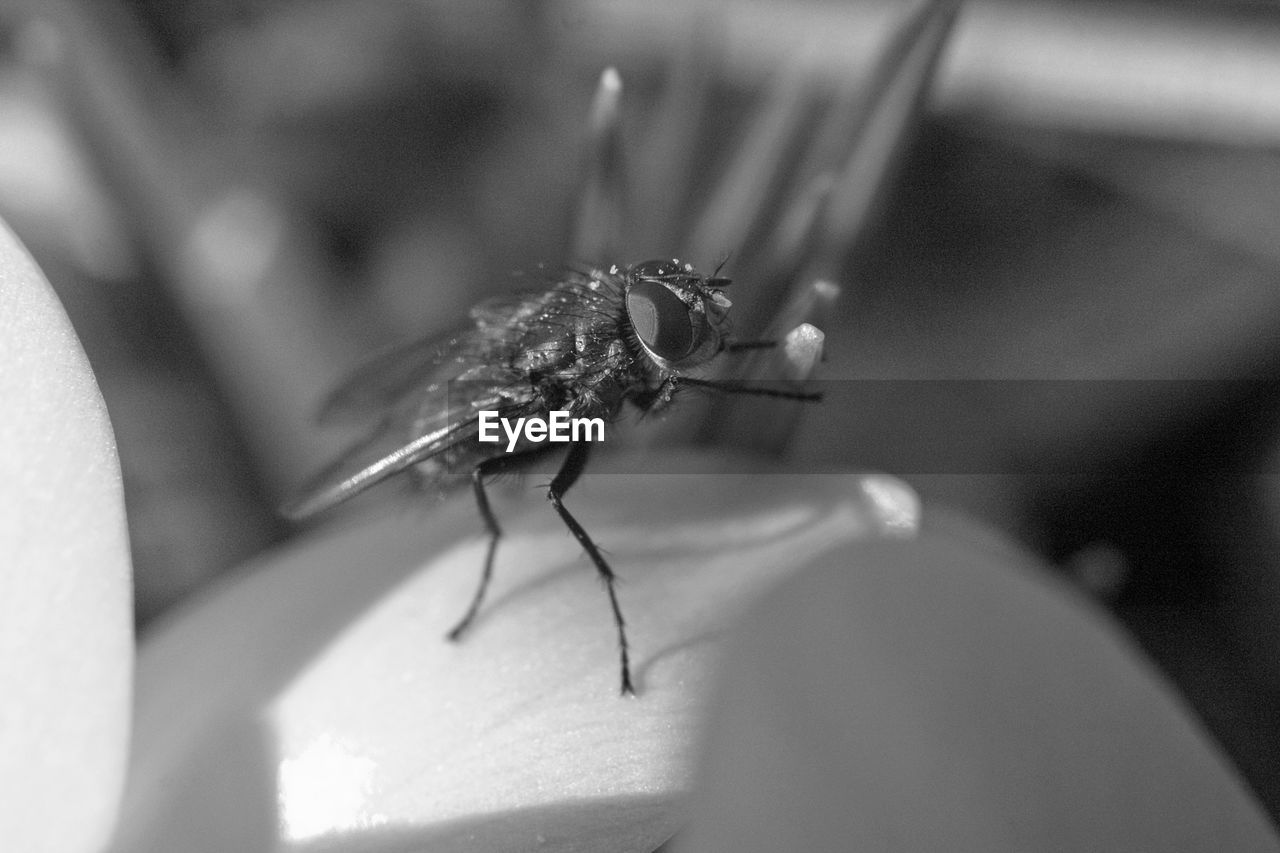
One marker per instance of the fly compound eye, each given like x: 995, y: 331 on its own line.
x: 661, y: 320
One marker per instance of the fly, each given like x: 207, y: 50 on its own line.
x: 590, y: 343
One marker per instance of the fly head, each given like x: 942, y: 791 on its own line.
x: 678, y: 316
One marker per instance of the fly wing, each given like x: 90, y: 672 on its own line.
x: 441, y: 426
x: 572, y: 294
x: 498, y: 312
x: 516, y: 307
x: 498, y: 328
x: 388, y: 377
x: 396, y: 373
x: 423, y: 399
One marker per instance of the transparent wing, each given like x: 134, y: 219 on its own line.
x: 386, y: 378
x: 422, y: 400
x: 499, y: 311
x: 498, y: 330
x: 505, y: 309
x: 440, y: 427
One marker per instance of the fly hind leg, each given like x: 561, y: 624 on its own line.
x: 572, y: 468
x: 478, y: 474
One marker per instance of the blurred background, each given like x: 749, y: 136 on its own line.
x: 1054, y: 227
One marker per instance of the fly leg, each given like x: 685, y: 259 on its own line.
x: 478, y: 474
x: 573, y: 466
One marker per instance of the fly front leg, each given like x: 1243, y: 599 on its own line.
x: 572, y: 468
x: 484, y: 469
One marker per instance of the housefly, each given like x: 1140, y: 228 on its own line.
x: 590, y: 343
